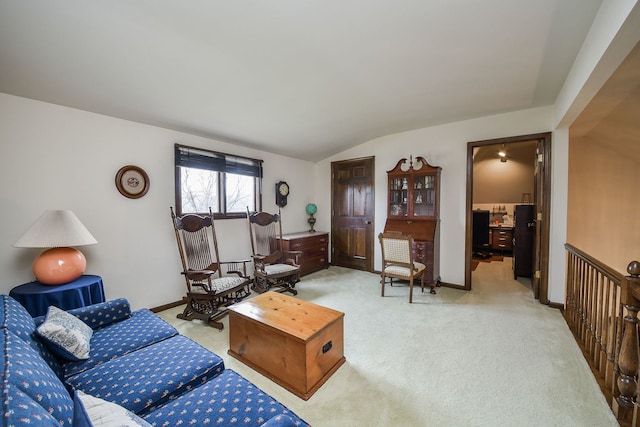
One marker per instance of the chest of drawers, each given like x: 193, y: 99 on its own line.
x: 314, y: 247
x: 502, y: 239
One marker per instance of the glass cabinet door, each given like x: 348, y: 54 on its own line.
x: 424, y: 196
x: 398, y: 192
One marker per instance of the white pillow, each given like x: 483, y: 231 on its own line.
x: 106, y: 414
x: 65, y: 334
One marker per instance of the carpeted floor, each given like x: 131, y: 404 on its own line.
x: 476, y: 261
x: 490, y: 357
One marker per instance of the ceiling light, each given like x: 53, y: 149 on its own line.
x: 503, y: 154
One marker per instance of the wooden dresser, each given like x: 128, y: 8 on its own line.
x: 502, y: 239
x: 314, y: 247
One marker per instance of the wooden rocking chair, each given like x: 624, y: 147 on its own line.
x: 274, y: 269
x: 208, y: 291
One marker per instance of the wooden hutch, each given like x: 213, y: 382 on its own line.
x: 413, y: 205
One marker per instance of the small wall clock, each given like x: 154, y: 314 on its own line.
x: 282, y: 191
x: 132, y: 182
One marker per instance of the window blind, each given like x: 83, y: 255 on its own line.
x: 219, y: 162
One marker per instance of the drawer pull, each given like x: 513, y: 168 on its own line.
x: 327, y: 347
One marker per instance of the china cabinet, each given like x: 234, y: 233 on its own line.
x: 413, y: 208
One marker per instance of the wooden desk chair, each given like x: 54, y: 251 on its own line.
x: 208, y: 290
x: 397, y: 260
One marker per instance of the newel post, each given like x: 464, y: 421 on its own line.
x: 629, y: 357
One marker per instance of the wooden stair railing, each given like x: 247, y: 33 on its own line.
x: 625, y: 405
x: 601, y: 308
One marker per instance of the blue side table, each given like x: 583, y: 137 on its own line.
x: 37, y: 298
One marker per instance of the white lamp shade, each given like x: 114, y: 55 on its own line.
x: 54, y: 229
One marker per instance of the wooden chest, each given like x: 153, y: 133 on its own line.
x: 314, y: 247
x: 296, y: 344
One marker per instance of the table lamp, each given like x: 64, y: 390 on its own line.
x: 311, y: 210
x: 57, y: 229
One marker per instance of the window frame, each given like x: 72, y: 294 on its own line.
x: 221, y: 163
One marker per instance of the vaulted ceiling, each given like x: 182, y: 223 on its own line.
x: 302, y: 78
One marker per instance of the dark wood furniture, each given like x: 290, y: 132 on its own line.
x: 481, y: 234
x: 502, y: 239
x: 295, y: 343
x: 314, y: 247
x: 274, y: 268
x: 523, y: 240
x: 208, y: 292
x: 413, y: 205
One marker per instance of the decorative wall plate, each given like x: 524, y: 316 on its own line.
x: 132, y: 182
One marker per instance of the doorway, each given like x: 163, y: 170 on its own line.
x: 352, y: 218
x: 538, y: 196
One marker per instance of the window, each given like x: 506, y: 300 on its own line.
x: 225, y: 183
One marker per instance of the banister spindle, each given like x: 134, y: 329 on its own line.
x: 628, y: 359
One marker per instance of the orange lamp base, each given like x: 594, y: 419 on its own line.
x: 56, y: 266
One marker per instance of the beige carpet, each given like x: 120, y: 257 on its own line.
x: 490, y: 357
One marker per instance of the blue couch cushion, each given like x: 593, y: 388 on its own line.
x: 18, y: 408
x: 142, y: 329
x: 280, y: 421
x: 149, y: 377
x: 99, y: 315
x: 21, y: 410
x: 227, y: 399
x: 103, y: 314
x: 16, y: 318
x: 26, y: 373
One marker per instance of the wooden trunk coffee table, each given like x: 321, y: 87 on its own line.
x: 295, y: 343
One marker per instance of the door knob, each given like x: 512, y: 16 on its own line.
x: 367, y: 222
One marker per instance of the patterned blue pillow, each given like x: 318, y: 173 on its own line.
x: 66, y: 335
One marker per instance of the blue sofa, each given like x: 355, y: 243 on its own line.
x: 137, y: 361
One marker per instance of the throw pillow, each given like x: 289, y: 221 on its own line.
x: 92, y: 411
x: 66, y: 335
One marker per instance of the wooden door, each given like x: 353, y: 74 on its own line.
x: 542, y: 200
x: 542, y: 197
x: 352, y: 219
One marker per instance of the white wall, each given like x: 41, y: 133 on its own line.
x: 59, y: 158
x: 612, y: 36
x: 55, y: 157
x: 444, y: 146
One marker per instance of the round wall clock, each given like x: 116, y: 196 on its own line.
x: 282, y: 191
x: 132, y: 182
